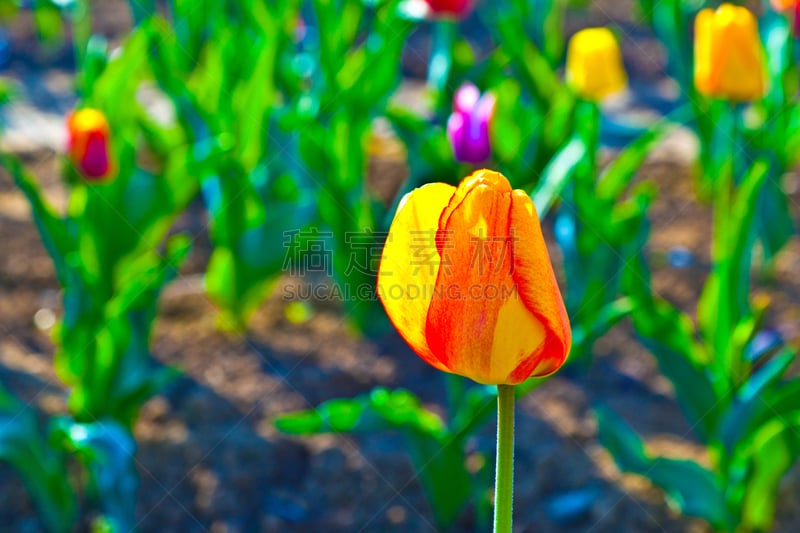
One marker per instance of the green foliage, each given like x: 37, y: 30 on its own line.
x: 286, y: 124
x: 112, y: 255
x: 600, y: 226
x: 733, y: 137
x: 104, y: 450
x: 694, y: 490
x: 729, y: 396
x: 41, y: 468
x: 437, y: 448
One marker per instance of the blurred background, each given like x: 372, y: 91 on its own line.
x: 208, y: 456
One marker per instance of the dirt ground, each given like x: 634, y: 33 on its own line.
x: 210, y: 460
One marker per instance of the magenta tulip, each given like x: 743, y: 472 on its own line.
x: 468, y: 126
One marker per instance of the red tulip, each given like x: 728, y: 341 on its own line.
x: 88, y: 144
x: 450, y: 8
x: 466, y: 279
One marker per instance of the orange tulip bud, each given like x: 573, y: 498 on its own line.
x: 466, y: 279
x: 88, y: 144
x: 783, y: 5
x: 594, y: 64
x: 728, y: 60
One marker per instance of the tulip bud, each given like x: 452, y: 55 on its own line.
x: 468, y: 125
x: 728, y: 60
x: 450, y: 8
x: 594, y: 64
x: 792, y: 10
x: 88, y: 144
x: 795, y: 18
x: 782, y: 5
x: 466, y: 279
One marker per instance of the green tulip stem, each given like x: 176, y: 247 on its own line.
x: 504, y: 472
x: 445, y: 33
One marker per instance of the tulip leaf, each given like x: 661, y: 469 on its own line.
x: 107, y: 451
x: 507, y: 138
x: 670, y: 336
x: 690, y: 487
x: 437, y: 453
x: 775, y: 223
x: 616, y: 177
x: 750, y: 409
x: 54, y: 231
x: 529, y: 62
x: 770, y: 453
x: 42, y: 469
x: 778, y: 401
x: 381, y: 410
x: 441, y: 469
x: 557, y: 174
x: 724, y: 301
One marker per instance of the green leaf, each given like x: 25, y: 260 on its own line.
x: 772, y: 452
x: 690, y: 487
x: 380, y: 410
x: 750, y: 408
x: 506, y: 131
x: 724, y: 302
x: 441, y: 469
x: 107, y: 450
x: 669, y: 335
x: 49, y: 25
x: 616, y: 177
x: 42, y: 469
x: 775, y: 223
x: 557, y: 175
x: 54, y: 231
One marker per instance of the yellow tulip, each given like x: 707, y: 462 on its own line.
x: 728, y: 59
x: 594, y: 64
x: 466, y: 279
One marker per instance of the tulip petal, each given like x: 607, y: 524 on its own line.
x: 95, y: 163
x: 477, y: 326
x: 744, y: 73
x: 466, y: 98
x: 703, y: 50
x: 410, y: 265
x: 538, y: 290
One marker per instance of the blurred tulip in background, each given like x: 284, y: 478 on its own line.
x: 729, y: 61
x: 468, y: 126
x: 594, y: 64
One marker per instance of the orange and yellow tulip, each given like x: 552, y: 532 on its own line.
x: 594, y: 64
x: 466, y: 279
x: 728, y: 59
x: 88, y: 144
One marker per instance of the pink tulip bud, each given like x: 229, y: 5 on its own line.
x: 468, y: 126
